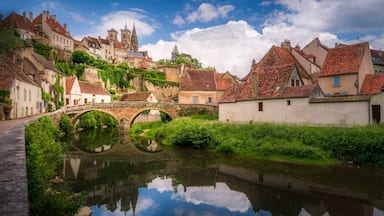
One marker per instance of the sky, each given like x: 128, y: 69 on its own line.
x: 224, y: 34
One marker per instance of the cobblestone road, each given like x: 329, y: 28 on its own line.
x: 13, y: 176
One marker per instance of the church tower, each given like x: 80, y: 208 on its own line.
x: 175, y: 53
x: 134, y: 41
x: 126, y: 37
x: 112, y: 35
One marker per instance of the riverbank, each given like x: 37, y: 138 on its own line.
x: 361, y: 145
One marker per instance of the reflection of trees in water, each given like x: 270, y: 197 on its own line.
x: 99, y: 138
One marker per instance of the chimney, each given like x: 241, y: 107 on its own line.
x: 31, y: 16
x: 24, y: 15
x: 65, y: 26
x: 255, y: 84
x: 286, y: 44
x: 53, y: 17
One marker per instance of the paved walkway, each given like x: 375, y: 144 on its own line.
x: 13, y: 175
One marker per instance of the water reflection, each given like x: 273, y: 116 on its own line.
x: 197, y: 183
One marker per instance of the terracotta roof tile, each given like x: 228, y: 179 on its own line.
x: 272, y: 72
x: 92, y: 88
x: 345, y: 59
x: 373, y: 84
x: 281, y: 56
x: 377, y: 57
x: 16, y: 21
x: 48, y: 64
x: 198, y: 80
x: 69, y: 84
x: 142, y: 96
x: 298, y: 91
x: 224, y: 81
x: 53, y: 24
x: 29, y: 68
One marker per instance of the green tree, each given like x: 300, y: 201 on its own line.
x: 43, y: 49
x: 9, y: 40
x: 80, y: 57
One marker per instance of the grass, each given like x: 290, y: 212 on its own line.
x: 303, y: 144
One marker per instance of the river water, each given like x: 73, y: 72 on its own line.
x: 124, y: 176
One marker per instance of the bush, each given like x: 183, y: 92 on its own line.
x: 193, y: 135
x: 225, y: 149
x: 65, y: 124
x: 44, y: 161
x: 94, y: 119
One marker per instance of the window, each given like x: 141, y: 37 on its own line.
x: 85, y: 100
x: 289, y: 102
x: 260, y: 106
x: 195, y: 99
x: 297, y: 82
x: 292, y: 82
x: 29, y: 95
x: 336, y: 81
x: 209, y: 99
x: 25, y: 94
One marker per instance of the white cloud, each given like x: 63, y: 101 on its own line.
x: 208, y: 12
x: 49, y: 5
x: 80, y: 18
x: 333, y: 16
x: 232, y: 46
x: 161, y: 184
x: 119, y: 19
x: 178, y: 20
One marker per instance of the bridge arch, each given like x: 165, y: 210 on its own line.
x: 137, y: 113
x: 76, y: 117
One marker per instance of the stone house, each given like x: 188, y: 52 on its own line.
x: 270, y: 94
x: 204, y: 86
x: 44, y: 73
x: 378, y: 60
x: 72, y: 91
x: 24, y: 26
x: 374, y: 86
x: 345, y: 68
x: 93, y: 93
x: 174, y: 72
x: 24, y: 97
x: 59, y: 37
x: 80, y: 92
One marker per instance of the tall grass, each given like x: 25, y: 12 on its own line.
x: 360, y: 145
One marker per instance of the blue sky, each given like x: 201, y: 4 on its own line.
x: 223, y: 34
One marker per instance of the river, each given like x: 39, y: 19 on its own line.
x: 124, y: 176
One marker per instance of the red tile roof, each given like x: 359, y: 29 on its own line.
x: 9, y: 71
x: 281, y: 56
x: 198, y: 80
x: 142, y: 96
x: 373, y: 84
x: 92, y: 88
x: 344, y: 59
x: 298, y: 91
x: 273, y: 72
x: 16, y: 21
x: 53, y: 24
x: 69, y: 84
x: 224, y: 81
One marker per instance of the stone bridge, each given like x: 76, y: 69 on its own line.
x: 124, y: 112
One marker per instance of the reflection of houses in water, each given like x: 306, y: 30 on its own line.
x: 113, y: 181
x: 102, y: 148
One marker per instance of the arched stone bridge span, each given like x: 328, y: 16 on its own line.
x: 124, y: 112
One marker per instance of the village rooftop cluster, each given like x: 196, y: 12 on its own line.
x: 315, y: 85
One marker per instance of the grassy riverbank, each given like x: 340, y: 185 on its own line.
x: 304, y: 144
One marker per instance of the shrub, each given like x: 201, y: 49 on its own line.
x: 44, y: 160
x: 225, y: 149
x: 193, y: 135
x: 65, y: 124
